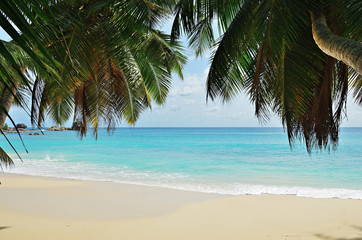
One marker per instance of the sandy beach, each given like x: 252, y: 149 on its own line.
x: 50, y: 208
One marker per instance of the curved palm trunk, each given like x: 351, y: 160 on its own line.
x: 343, y: 49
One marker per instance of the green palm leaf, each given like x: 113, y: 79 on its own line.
x: 267, y: 49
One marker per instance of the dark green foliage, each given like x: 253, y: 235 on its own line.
x: 267, y: 49
x: 102, y: 61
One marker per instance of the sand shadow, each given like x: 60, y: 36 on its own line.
x: 4, y: 227
x: 357, y: 227
x: 326, y: 237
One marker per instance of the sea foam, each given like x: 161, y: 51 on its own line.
x: 61, y: 168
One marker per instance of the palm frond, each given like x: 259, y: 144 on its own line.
x: 267, y: 49
x: 356, y: 84
x: 5, y: 160
x: 225, y: 55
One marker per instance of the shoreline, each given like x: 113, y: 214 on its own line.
x: 254, y: 189
x: 47, y: 208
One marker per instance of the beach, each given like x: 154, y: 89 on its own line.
x: 140, y: 120
x: 54, y: 208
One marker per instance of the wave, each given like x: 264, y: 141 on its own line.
x: 250, y: 189
x: 62, y: 168
x: 232, y: 189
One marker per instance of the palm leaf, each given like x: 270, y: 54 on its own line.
x: 5, y: 160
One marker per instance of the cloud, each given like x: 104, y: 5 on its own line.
x: 192, y: 84
x: 188, y: 90
x: 191, y: 58
x: 212, y: 108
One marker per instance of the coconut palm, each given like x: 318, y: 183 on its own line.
x: 112, y: 63
x: 121, y: 63
x: 294, y: 58
x: 23, y: 16
x: 16, y: 92
x: 20, y: 20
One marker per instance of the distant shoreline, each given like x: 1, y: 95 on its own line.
x: 136, y: 127
x: 53, y: 128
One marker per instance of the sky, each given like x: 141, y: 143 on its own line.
x: 186, y: 104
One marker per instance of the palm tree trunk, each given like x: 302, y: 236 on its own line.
x: 6, y: 100
x: 343, y: 49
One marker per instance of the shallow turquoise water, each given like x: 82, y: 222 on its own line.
x: 221, y: 160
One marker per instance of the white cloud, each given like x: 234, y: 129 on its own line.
x: 191, y: 58
x: 187, y: 90
x: 192, y: 84
x: 212, y: 108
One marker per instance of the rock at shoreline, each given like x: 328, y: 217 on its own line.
x: 10, y: 130
x: 55, y: 128
x: 52, y: 128
x: 21, y: 125
x: 35, y: 133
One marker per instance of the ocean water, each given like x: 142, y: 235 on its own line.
x: 231, y: 161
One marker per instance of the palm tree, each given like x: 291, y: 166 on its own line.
x: 110, y: 62
x: 23, y: 16
x: 14, y: 87
x: 294, y: 58
x: 121, y: 63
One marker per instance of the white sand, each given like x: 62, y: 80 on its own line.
x: 48, y: 208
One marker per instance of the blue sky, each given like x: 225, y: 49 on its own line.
x: 186, y: 105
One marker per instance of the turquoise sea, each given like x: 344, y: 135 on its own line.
x: 219, y: 160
